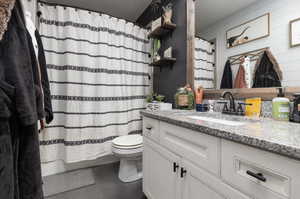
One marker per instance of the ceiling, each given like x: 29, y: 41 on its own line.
x: 125, y: 9
x: 209, y: 12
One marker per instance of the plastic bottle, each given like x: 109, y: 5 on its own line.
x: 281, y: 107
x: 199, y: 95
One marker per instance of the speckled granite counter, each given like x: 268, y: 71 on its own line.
x: 278, y: 137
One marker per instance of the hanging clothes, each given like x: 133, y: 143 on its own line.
x: 6, y: 151
x: 240, y: 81
x: 267, y: 72
x: 40, y: 61
x: 227, y: 76
x: 20, y: 92
x: 45, y: 80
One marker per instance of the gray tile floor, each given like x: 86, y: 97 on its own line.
x: 107, y: 186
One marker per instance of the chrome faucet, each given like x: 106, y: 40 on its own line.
x: 232, y: 108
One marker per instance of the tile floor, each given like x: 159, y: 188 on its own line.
x: 107, y: 186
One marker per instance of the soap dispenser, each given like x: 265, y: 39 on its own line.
x: 281, y: 107
x: 295, y: 116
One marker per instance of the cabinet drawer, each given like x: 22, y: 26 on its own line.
x: 259, y: 173
x: 201, y: 149
x: 201, y: 184
x: 151, y: 128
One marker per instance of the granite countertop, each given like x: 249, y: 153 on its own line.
x: 274, y: 136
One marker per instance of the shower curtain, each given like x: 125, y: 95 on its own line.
x: 204, y: 64
x: 98, y: 68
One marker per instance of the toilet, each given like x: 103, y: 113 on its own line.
x: 129, y: 149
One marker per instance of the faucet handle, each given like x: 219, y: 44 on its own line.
x: 245, y: 104
x: 225, y: 107
x: 240, y: 110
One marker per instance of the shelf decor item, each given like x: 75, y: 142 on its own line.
x: 168, y: 13
x: 252, y: 30
x: 156, y: 45
x: 168, y: 53
x: 156, y: 24
x: 295, y: 33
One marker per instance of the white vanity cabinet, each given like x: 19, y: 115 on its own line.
x: 182, y: 164
x: 179, y: 163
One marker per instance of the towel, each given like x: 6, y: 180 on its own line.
x: 227, y: 76
x: 267, y: 72
x: 240, y: 81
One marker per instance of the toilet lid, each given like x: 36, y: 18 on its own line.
x: 128, y: 141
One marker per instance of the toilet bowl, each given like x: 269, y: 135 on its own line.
x: 129, y: 149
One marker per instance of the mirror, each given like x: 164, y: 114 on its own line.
x: 247, y: 44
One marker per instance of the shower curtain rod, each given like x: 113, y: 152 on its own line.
x: 75, y: 7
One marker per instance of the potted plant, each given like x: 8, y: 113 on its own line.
x: 156, y: 102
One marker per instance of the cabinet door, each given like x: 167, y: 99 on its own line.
x: 199, y: 184
x: 160, y: 180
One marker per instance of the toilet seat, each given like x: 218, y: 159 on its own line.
x: 128, y: 142
x: 128, y: 148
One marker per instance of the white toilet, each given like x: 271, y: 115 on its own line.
x: 129, y: 149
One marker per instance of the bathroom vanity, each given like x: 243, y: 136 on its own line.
x: 189, y: 155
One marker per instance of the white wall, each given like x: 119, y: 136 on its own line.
x: 282, y: 11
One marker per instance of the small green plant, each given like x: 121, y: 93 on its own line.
x: 155, y: 98
x: 160, y: 98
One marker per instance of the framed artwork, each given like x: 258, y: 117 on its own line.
x: 295, y: 33
x: 252, y: 30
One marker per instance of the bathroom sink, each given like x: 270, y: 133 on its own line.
x: 218, y: 121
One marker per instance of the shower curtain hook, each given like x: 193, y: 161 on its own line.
x: 39, y: 14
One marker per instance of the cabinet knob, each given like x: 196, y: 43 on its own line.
x: 183, y: 172
x: 175, y: 167
x: 258, y: 176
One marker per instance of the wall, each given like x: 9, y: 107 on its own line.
x: 167, y: 80
x: 282, y: 11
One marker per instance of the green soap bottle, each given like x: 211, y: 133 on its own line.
x: 281, y: 107
x: 184, y: 98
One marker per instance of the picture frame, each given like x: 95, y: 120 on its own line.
x: 249, y: 31
x: 295, y: 33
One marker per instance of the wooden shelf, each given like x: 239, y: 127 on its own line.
x: 164, y: 62
x: 162, y: 30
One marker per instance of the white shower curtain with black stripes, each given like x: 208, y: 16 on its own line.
x: 99, y: 76
x: 204, y: 64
